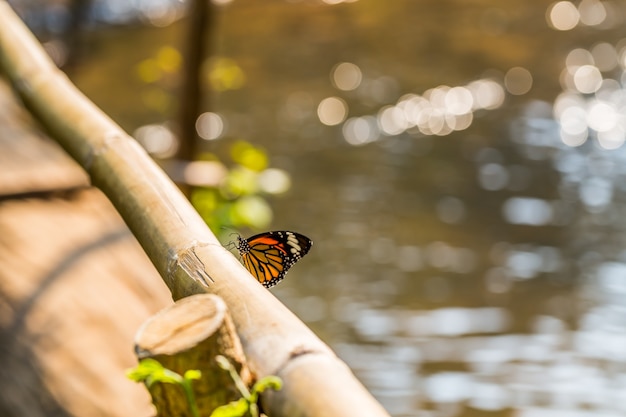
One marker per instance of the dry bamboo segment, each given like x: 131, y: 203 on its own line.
x: 182, y: 248
x: 189, y: 335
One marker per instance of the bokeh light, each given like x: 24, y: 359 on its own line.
x: 332, y: 111
x: 487, y: 93
x: 578, y: 57
x: 587, y: 79
x: 592, y: 12
x: 249, y: 156
x: 161, y: 13
x: 451, y: 210
x: 203, y: 173
x: 493, y: 176
x: 459, y: 101
x: 210, y: 126
x: 563, y: 15
x: 224, y: 74
x: 438, y: 111
x: 252, y: 210
x: 274, y: 181
x: 591, y: 105
x: 346, y: 76
x: 604, y: 56
x: 360, y: 130
x: 157, y: 140
x: 518, y: 81
x: 601, y: 116
x: 596, y: 193
x: 392, y: 120
x: 612, y: 139
x: 529, y: 211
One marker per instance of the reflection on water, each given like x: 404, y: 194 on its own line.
x: 439, y: 111
x: 526, y: 313
x: 461, y: 169
x: 548, y: 371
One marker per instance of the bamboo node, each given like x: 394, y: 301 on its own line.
x: 301, y: 350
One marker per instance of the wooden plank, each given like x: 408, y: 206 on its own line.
x: 74, y: 287
x: 29, y: 161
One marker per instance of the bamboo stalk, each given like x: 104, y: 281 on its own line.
x: 180, y: 245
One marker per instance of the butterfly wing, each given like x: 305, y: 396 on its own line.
x: 269, y: 255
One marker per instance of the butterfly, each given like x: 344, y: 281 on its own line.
x: 269, y: 255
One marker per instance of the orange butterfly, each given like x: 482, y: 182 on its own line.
x: 269, y: 255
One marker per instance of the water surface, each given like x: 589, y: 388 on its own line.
x: 460, y: 168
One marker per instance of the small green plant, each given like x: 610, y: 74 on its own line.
x: 248, y: 402
x: 241, y: 200
x: 151, y: 371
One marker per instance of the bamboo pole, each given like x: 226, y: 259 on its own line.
x: 180, y: 245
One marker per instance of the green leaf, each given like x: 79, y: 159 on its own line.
x: 270, y: 381
x: 192, y: 374
x: 144, y: 370
x: 151, y: 371
x: 167, y: 377
x: 233, y: 409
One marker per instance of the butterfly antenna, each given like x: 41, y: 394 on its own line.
x: 230, y: 245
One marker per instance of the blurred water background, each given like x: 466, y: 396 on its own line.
x: 459, y: 166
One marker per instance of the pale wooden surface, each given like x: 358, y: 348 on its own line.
x: 29, y: 161
x: 74, y: 285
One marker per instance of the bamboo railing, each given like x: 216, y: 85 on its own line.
x: 185, y: 252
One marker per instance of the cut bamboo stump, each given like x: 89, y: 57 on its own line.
x: 189, y: 335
